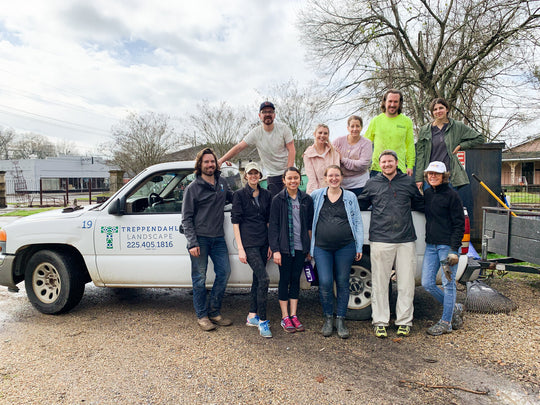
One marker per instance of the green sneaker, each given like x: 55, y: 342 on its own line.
x: 404, y: 330
x: 380, y: 331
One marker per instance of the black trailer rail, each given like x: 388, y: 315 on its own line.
x: 514, y: 234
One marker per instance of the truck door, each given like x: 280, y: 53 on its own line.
x: 144, y: 246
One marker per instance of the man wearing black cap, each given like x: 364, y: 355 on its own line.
x: 275, y: 144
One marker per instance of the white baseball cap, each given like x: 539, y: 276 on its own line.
x: 253, y: 165
x: 436, y: 167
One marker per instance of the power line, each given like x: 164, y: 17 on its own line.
x: 45, y: 119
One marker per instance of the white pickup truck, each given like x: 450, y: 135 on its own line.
x: 134, y: 240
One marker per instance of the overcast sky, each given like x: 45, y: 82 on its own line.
x: 72, y: 69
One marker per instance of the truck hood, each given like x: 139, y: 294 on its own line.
x: 52, y: 215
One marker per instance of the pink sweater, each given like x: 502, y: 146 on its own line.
x: 355, y: 161
x: 316, y: 164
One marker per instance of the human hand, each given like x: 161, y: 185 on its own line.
x: 195, y: 251
x: 269, y: 254
x: 242, y: 255
x: 456, y: 150
x: 420, y: 185
x: 277, y: 258
x: 452, y: 259
x: 409, y: 172
x: 358, y: 256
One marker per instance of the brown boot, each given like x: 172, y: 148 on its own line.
x: 205, y: 324
x: 219, y: 320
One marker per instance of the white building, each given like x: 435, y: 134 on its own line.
x: 25, y: 175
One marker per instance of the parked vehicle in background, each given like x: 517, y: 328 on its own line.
x: 134, y: 240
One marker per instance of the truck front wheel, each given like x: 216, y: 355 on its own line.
x: 53, y: 283
x: 359, y: 308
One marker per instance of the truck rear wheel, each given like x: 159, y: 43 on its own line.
x: 359, y: 308
x: 53, y: 283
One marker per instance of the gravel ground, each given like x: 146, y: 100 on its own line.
x: 143, y: 347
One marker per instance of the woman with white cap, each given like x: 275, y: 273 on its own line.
x: 445, y: 225
x: 249, y: 215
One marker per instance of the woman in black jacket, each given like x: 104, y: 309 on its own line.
x: 445, y: 225
x: 250, y: 214
x: 289, y: 234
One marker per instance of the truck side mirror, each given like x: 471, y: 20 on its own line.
x: 117, y: 207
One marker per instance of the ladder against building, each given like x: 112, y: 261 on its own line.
x: 20, y: 186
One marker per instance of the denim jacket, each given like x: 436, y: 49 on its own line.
x: 353, y: 214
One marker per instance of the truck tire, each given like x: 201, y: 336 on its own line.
x: 359, y: 308
x: 53, y: 283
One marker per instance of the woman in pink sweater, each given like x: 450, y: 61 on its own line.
x: 318, y: 157
x: 355, y: 152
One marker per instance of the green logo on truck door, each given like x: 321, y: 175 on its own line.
x: 109, y: 231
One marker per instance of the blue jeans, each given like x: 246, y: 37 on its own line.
x: 216, y: 248
x: 334, y: 265
x: 432, y: 262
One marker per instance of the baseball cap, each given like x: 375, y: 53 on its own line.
x: 267, y: 104
x: 252, y: 165
x: 436, y: 167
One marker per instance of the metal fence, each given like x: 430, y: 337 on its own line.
x: 35, y: 195
x: 522, y: 195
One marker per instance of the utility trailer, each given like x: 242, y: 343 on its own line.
x: 514, y: 234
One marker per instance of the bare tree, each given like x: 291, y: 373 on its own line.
x: 141, y: 140
x: 6, y: 138
x: 66, y: 148
x: 299, y: 108
x: 475, y: 53
x: 28, y: 146
x: 218, y: 126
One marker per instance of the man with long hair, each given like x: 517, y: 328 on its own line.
x: 202, y: 223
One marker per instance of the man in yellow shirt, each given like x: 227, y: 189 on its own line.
x: 392, y: 130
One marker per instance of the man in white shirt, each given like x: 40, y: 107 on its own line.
x: 275, y: 144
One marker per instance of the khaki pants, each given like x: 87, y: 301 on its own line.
x: 382, y: 259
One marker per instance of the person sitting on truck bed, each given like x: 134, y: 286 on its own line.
x: 202, y: 222
x: 445, y: 225
x: 392, y: 194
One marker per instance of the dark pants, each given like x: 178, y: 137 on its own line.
x: 256, y: 258
x: 274, y: 184
x: 356, y: 191
x: 289, y: 275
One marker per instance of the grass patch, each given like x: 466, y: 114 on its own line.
x: 27, y: 212
x: 523, y: 198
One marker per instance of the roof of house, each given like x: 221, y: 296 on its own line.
x: 526, y: 151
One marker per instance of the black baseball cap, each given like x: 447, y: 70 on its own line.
x: 267, y: 104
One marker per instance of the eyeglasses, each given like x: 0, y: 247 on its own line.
x: 267, y: 112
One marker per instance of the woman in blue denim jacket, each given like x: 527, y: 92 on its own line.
x: 337, y: 241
